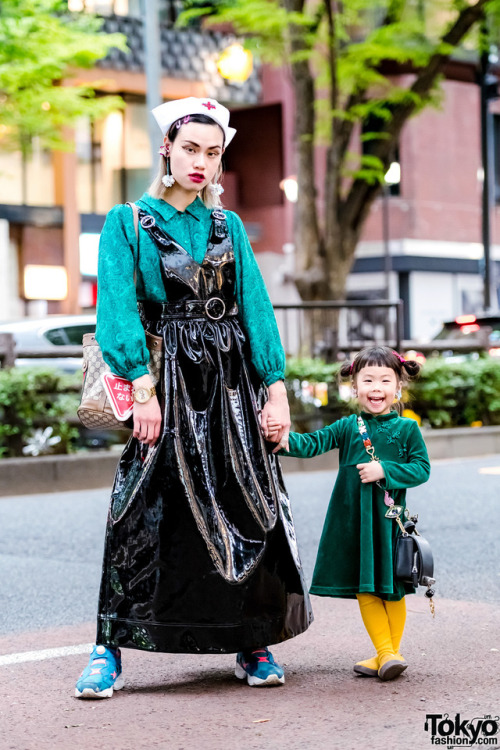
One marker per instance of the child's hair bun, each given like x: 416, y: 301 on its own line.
x: 346, y: 370
x: 412, y: 367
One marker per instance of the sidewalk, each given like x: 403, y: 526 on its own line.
x: 184, y: 702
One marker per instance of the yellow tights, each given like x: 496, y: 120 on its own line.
x: 385, y: 623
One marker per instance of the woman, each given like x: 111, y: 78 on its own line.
x: 200, y: 549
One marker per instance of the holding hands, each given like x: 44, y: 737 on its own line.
x: 275, y: 417
x: 371, y: 472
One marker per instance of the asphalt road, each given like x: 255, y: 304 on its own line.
x: 51, y: 545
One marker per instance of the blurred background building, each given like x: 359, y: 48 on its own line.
x: 422, y: 241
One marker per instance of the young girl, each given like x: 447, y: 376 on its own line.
x: 356, y: 551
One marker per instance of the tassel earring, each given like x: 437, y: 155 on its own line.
x: 216, y: 188
x: 168, y: 179
x: 398, y: 395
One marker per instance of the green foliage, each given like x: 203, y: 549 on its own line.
x: 307, y: 368
x: 34, y: 398
x: 457, y: 394
x: 367, y: 34
x: 41, y: 45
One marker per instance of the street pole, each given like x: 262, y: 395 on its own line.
x: 485, y: 159
x: 152, y: 68
x: 386, y: 237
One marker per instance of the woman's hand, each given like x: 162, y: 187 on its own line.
x: 147, y: 417
x: 371, y: 472
x: 275, y: 417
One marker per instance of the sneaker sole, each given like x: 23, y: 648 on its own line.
x: 273, y: 679
x: 108, y: 693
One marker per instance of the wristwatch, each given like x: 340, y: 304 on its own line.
x: 142, y: 394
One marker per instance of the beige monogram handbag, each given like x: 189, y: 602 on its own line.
x: 95, y: 410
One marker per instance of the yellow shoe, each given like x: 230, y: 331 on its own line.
x: 391, y: 666
x: 368, y: 667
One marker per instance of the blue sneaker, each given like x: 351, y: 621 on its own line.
x: 102, y: 675
x: 259, y: 668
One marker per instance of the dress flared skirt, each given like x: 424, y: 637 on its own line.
x: 200, y: 551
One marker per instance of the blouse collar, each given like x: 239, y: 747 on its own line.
x: 196, y: 209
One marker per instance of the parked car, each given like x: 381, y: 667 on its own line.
x: 467, y: 333
x: 35, y: 334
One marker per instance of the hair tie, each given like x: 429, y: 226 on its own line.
x: 351, y: 368
x: 401, y: 359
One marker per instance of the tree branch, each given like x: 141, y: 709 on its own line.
x: 361, y: 194
x: 346, y: 127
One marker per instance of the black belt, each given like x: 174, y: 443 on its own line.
x: 214, y: 308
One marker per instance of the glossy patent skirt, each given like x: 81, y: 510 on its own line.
x: 200, y: 552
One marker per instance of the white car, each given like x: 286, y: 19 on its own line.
x: 37, y: 334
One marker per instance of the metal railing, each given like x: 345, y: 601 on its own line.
x: 329, y: 329
x: 325, y: 330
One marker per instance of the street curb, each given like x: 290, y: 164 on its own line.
x: 25, y: 476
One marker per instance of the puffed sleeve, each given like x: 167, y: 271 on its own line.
x: 314, y: 443
x: 119, y: 329
x: 417, y: 469
x: 255, y: 308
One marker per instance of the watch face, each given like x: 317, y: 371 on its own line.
x: 142, y: 395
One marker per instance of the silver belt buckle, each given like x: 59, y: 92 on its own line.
x: 215, y: 308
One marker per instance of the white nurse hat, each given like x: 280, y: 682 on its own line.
x: 169, y: 112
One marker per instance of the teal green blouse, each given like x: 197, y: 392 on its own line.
x: 119, y: 329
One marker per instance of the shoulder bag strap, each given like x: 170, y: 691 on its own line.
x: 135, y: 211
x: 394, y: 511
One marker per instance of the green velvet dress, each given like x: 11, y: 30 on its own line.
x: 357, y: 544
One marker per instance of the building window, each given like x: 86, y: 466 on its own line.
x: 114, y: 158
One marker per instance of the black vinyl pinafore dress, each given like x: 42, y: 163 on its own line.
x: 200, y: 552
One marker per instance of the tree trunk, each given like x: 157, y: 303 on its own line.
x: 310, y: 276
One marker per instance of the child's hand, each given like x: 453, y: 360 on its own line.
x: 371, y: 472
x: 273, y: 429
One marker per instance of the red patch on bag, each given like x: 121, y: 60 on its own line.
x: 119, y: 392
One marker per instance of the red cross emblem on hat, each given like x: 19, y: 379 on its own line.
x: 208, y: 105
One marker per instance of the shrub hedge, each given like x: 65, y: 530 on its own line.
x: 32, y: 399
x: 447, y: 394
